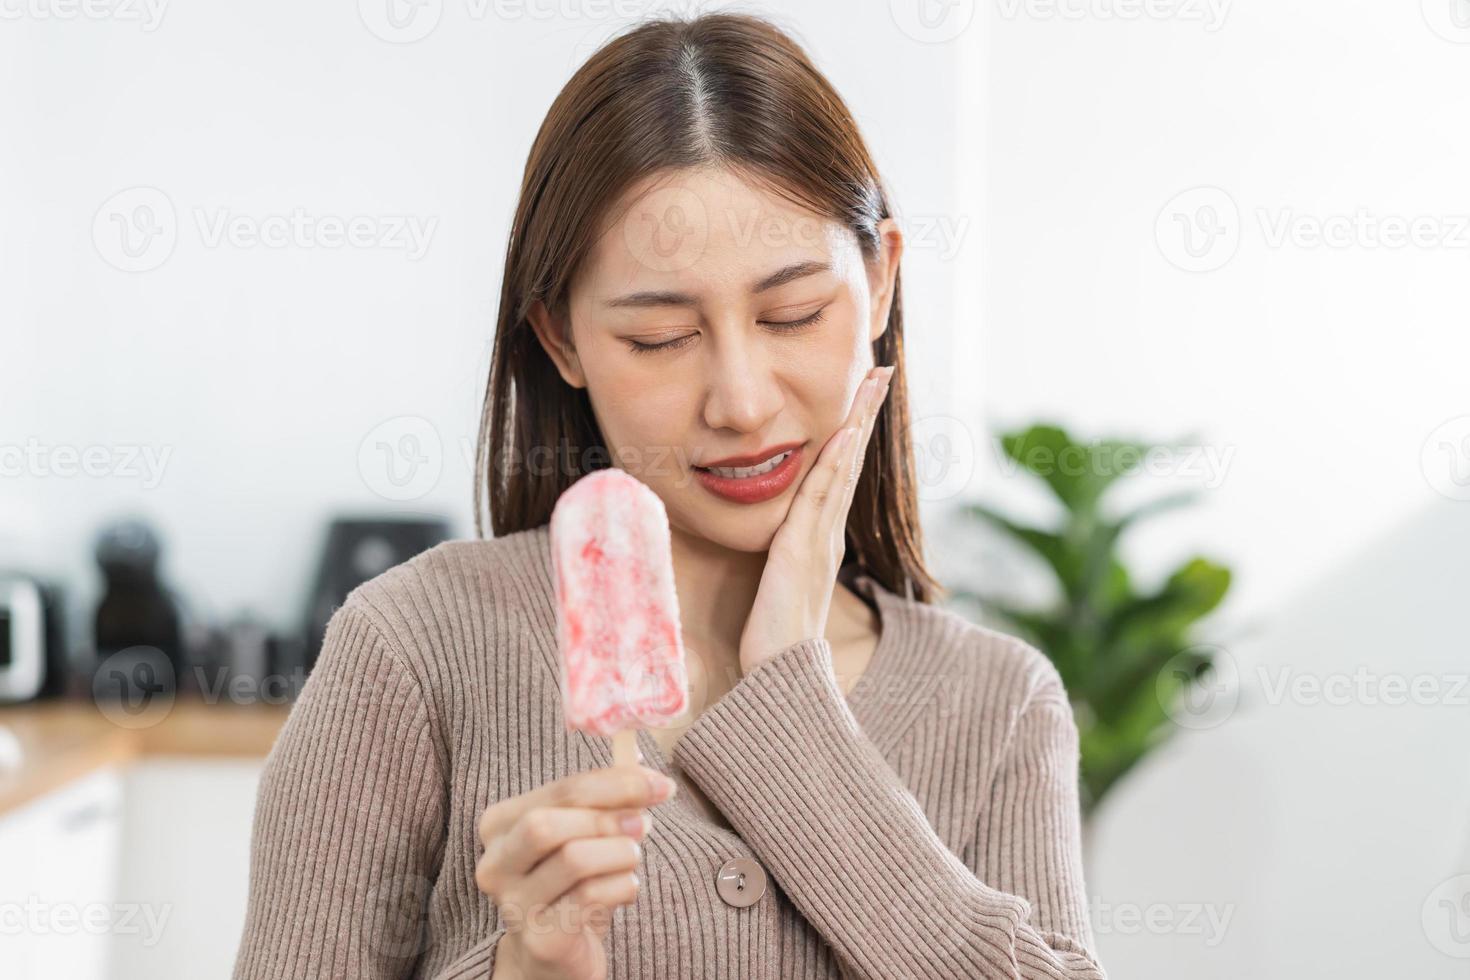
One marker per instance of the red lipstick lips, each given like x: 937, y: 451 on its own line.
x: 754, y: 458
x: 753, y: 489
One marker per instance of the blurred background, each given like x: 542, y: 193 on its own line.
x: 1187, y: 342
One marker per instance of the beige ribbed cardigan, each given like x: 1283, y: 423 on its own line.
x: 925, y: 825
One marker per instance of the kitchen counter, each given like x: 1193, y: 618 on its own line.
x: 61, y: 741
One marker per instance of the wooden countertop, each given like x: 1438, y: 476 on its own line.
x: 63, y: 740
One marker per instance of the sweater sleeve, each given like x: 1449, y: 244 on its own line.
x: 349, y: 824
x: 784, y: 759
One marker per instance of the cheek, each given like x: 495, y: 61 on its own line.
x: 844, y: 356
x: 639, y: 410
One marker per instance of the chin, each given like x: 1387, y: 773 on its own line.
x: 738, y: 527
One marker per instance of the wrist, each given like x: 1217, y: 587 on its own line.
x: 507, y: 963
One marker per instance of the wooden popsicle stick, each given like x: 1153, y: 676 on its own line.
x: 625, y: 747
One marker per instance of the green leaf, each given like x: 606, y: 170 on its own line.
x: 1123, y: 656
x: 1077, y: 473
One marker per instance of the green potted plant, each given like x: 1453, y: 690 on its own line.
x: 1123, y: 653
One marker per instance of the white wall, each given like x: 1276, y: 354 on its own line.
x: 1318, y: 372
x: 1321, y: 807
x: 1322, y: 836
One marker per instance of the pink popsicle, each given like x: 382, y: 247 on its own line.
x: 622, y: 650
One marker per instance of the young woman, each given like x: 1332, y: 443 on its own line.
x: 702, y: 288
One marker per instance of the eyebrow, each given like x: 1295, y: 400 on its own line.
x: 791, y: 273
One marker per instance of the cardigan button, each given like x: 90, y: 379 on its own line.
x: 741, y: 882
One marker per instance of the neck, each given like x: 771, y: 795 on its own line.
x: 716, y: 587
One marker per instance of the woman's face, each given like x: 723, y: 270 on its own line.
x: 715, y: 319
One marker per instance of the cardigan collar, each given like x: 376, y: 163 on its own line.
x: 904, y: 675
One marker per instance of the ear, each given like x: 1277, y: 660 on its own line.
x: 555, y: 335
x: 882, y: 274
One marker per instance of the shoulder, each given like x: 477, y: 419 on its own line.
x: 1006, y: 693
x: 444, y: 601
x: 1003, y: 672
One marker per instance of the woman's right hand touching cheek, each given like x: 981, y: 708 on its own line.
x: 558, y: 860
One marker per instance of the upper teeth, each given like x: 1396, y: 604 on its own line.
x: 740, y: 472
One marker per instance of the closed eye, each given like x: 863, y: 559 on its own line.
x: 781, y: 326
x: 805, y: 321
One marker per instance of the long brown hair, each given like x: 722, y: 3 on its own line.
x: 720, y: 89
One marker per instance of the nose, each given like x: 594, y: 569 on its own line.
x: 744, y: 393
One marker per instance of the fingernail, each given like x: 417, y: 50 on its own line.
x: 632, y: 824
x: 660, y: 785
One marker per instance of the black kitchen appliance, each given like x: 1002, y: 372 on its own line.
x: 137, y: 640
x: 33, y: 657
x: 359, y: 549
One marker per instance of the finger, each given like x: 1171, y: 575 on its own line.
x: 613, y: 787
x: 806, y: 509
x: 858, y: 449
x: 542, y: 830
x: 838, y: 500
x: 587, y: 857
x: 546, y: 928
x: 818, y: 485
x: 591, y: 901
x: 858, y: 408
